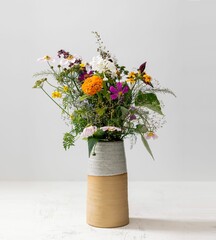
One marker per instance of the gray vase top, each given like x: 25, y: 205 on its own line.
x: 107, y: 159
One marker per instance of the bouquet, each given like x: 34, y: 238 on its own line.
x: 101, y: 100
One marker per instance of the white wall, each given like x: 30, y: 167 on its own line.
x: 177, y: 38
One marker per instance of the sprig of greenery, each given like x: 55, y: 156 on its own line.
x: 162, y: 90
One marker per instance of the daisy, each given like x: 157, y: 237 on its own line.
x: 46, y: 58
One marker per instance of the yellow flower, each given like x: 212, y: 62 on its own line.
x: 56, y: 94
x: 71, y: 117
x: 131, y: 77
x: 65, y: 88
x: 147, y: 78
x: 131, y: 80
x: 82, y: 65
x: 92, y: 85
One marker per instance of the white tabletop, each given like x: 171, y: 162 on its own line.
x: 158, y: 211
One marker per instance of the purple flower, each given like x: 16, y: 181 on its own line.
x: 132, y: 117
x: 85, y: 75
x: 64, y: 53
x: 118, y: 91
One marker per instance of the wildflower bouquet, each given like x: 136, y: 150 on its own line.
x: 101, y: 100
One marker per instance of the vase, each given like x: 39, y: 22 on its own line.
x: 107, y: 194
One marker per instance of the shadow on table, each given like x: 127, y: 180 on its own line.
x: 171, y: 225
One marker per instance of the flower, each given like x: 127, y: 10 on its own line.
x: 63, y: 53
x: 89, y: 131
x: 85, y: 75
x: 82, y: 65
x: 132, y: 117
x: 103, y: 65
x: 151, y: 134
x: 46, y: 58
x: 110, y: 128
x: 67, y: 60
x: 102, y: 100
x: 92, y: 85
x: 118, y: 91
x: 56, y: 94
x: 131, y: 77
x: 65, y: 88
x: 147, y: 79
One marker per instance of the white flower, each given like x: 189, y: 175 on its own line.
x: 112, y: 68
x: 102, y: 65
x: 68, y: 60
x: 89, y: 131
x: 150, y: 135
x: 98, y: 64
x: 110, y: 128
x: 46, y: 59
x: 88, y: 68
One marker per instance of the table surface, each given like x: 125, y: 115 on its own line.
x: 158, y: 211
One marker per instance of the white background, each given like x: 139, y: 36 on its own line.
x: 177, y: 38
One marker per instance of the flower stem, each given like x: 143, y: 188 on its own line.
x: 51, y: 84
x: 55, y: 102
x: 74, y: 83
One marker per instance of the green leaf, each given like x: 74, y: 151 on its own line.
x: 124, y: 112
x: 91, y: 143
x: 83, y: 97
x: 99, y: 134
x: 141, y: 128
x: 68, y: 140
x: 148, y: 100
x: 100, y: 111
x: 39, y: 83
x: 146, y: 145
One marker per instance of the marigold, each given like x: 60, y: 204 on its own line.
x: 92, y: 85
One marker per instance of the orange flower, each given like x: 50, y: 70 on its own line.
x: 92, y: 85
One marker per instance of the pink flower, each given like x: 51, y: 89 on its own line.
x: 110, y: 128
x: 149, y: 135
x: 89, y: 131
x: 118, y: 91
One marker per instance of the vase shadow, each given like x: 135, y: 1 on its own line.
x: 173, y: 225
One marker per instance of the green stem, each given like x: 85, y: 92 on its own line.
x: 74, y: 83
x: 51, y: 67
x: 51, y: 84
x: 55, y: 102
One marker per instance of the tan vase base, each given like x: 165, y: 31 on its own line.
x: 107, y: 201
